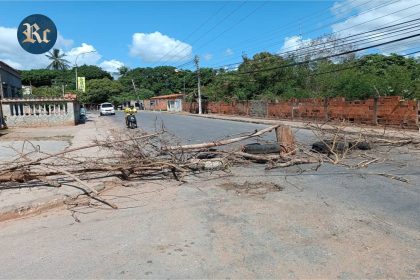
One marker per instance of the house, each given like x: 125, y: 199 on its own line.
x: 171, y: 102
x: 10, y: 86
x: 10, y: 80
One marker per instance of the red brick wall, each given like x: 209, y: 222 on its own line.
x: 390, y: 110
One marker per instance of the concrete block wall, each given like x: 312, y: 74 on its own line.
x: 390, y: 110
x: 40, y: 112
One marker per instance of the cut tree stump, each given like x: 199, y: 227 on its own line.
x: 286, y: 140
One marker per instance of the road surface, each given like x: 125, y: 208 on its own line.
x: 191, y: 129
x: 335, y: 222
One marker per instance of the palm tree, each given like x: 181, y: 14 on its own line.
x: 57, y: 60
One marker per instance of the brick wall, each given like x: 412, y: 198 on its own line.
x: 390, y: 110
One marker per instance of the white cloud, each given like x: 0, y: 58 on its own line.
x: 228, y: 52
x: 293, y: 43
x: 385, y: 15
x: 85, y: 54
x: 111, y: 66
x: 153, y: 47
x: 208, y: 56
x: 13, y: 54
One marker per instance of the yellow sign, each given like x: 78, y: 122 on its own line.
x: 81, y: 85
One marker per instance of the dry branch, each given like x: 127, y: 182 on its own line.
x: 221, y: 142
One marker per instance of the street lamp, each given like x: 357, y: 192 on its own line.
x: 75, y: 63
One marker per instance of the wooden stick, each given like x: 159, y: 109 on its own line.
x: 71, y: 150
x: 221, y: 142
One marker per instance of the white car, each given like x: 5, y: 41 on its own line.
x: 106, y: 109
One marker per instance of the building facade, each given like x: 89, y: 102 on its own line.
x: 171, y: 102
x: 11, y: 81
x: 10, y: 86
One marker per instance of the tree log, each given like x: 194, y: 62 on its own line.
x: 221, y: 142
x: 286, y: 140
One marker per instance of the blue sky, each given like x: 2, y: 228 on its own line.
x: 140, y: 33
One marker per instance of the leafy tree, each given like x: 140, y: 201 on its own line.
x: 101, y: 90
x: 47, y: 91
x: 58, y: 62
x: 123, y: 70
x: 91, y: 72
x: 39, y: 77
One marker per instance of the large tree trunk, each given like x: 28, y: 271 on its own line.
x: 286, y: 140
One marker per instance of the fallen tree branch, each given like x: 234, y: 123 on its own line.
x: 221, y: 142
x: 35, y: 161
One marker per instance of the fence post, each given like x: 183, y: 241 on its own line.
x: 375, y: 110
x: 418, y: 114
x: 266, y: 109
x: 326, y: 99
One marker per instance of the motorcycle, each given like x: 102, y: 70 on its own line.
x: 131, y: 121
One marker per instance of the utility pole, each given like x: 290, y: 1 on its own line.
x: 196, y: 61
x: 135, y: 92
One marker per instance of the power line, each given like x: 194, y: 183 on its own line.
x: 299, y: 21
x: 193, y: 32
x: 342, y: 40
x: 329, y: 56
x: 232, y: 26
x: 338, y: 31
x: 314, y: 74
x: 327, y: 25
x: 215, y: 26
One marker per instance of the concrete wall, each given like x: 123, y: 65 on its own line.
x: 390, y: 110
x: 40, y: 112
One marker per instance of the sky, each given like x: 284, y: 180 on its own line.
x: 148, y: 34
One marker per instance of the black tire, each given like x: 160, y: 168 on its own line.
x: 324, y: 147
x: 363, y: 145
x: 257, y: 148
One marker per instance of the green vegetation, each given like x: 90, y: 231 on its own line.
x: 264, y: 76
x: 58, y: 62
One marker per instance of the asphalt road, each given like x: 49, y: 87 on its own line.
x: 195, y: 130
x: 335, y: 222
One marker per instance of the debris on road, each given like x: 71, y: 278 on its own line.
x: 138, y: 154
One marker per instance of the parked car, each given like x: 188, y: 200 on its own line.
x: 106, y: 109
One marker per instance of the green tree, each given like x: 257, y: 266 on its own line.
x: 101, y: 90
x: 92, y: 72
x: 47, y: 91
x: 58, y: 62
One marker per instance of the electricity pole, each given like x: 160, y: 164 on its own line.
x: 135, y: 92
x: 196, y: 61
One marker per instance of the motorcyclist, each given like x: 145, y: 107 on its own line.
x: 129, y: 111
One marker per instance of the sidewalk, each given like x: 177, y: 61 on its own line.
x: 20, y: 201
x: 389, y: 132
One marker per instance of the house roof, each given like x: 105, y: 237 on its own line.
x: 169, y: 96
x: 9, y: 69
